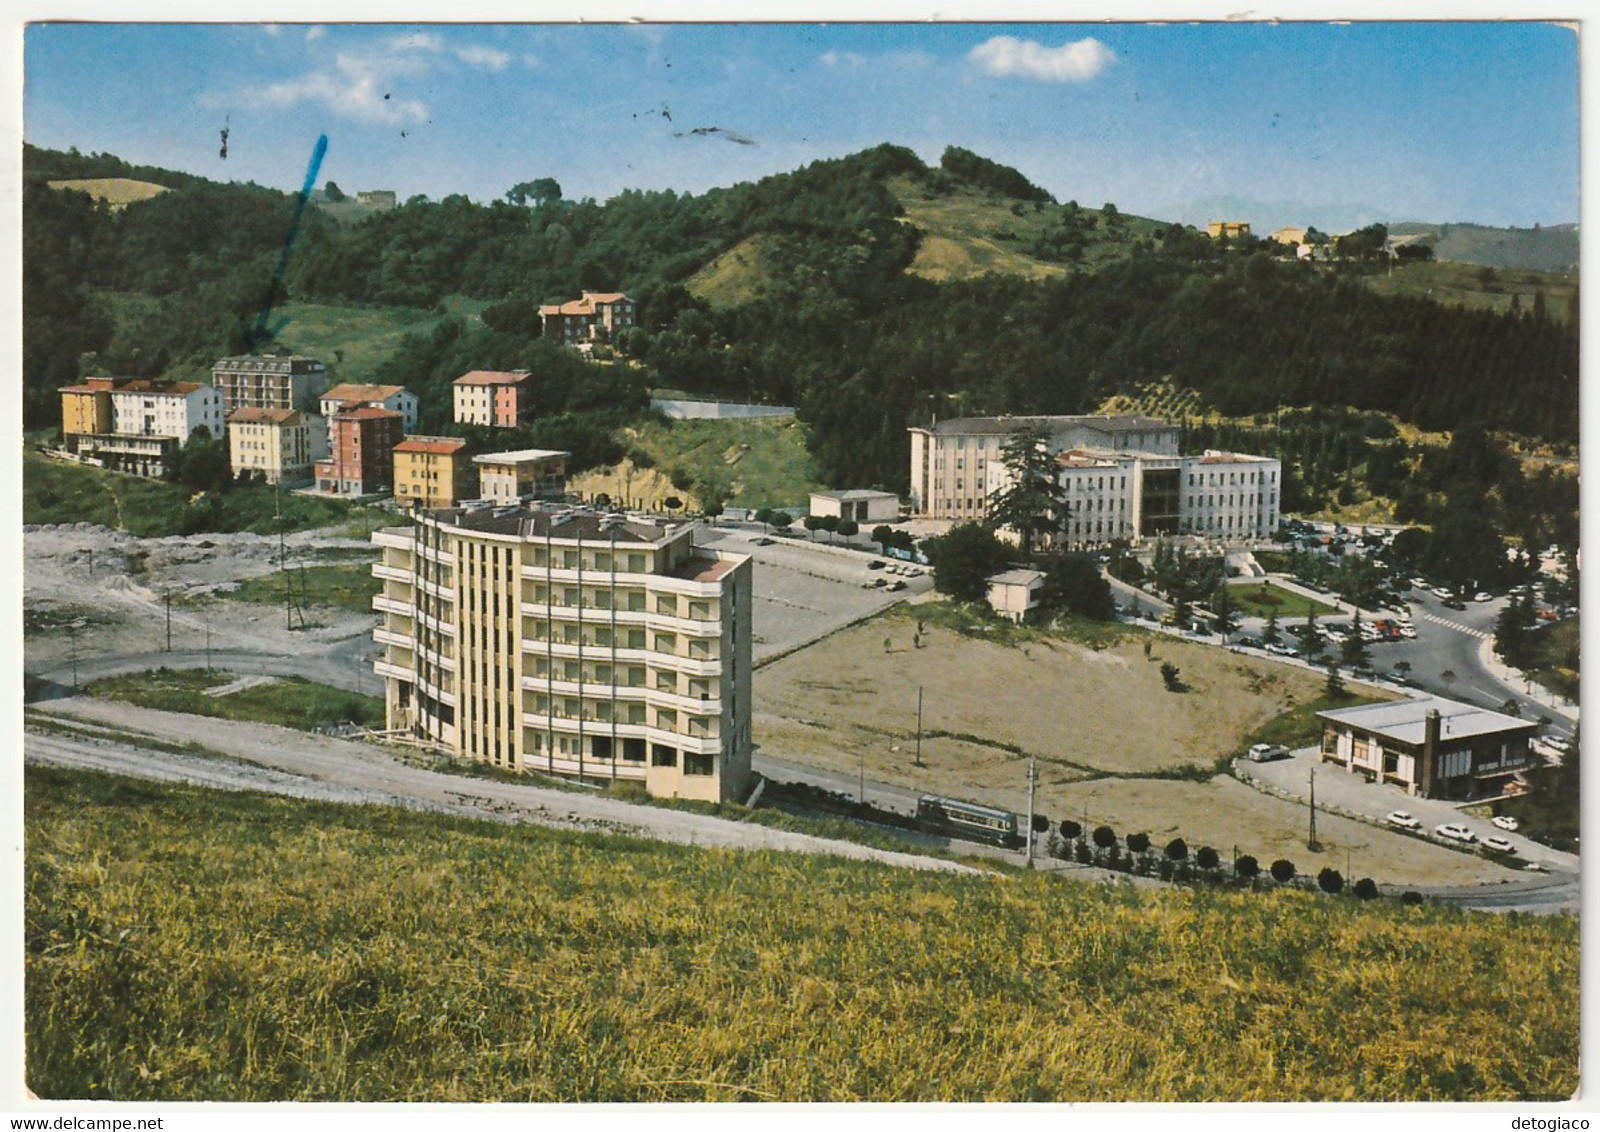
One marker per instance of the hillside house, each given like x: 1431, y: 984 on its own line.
x: 582, y: 322
x: 395, y: 397
x: 431, y: 471
x: 280, y: 445
x: 361, y: 445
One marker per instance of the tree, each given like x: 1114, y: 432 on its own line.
x: 782, y: 520
x: 1170, y: 676
x: 1269, y: 634
x: 1247, y: 867
x: 1072, y: 584
x: 332, y: 193
x: 849, y: 528
x: 1334, y: 686
x: 672, y: 503
x: 1041, y: 824
x: 1071, y: 830
x: 1353, y: 650
x: 1104, y: 837
x: 1330, y: 881
x: 1177, y: 849
x: 1282, y: 871
x: 1207, y: 857
x: 964, y: 559
x: 540, y: 192
x: 1366, y: 889
x: 712, y: 509
x: 1222, y: 606
x: 1310, y: 636
x: 1032, y: 503
x: 812, y: 523
x: 881, y: 534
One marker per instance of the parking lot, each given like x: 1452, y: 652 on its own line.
x: 805, y: 590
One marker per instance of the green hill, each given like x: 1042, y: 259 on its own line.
x: 1553, y: 248
x: 184, y: 944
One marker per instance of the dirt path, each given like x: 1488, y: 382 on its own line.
x: 278, y: 760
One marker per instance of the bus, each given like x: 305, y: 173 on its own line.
x: 967, y: 820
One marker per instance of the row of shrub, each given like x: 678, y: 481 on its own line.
x: 1175, y: 862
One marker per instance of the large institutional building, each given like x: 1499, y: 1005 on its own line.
x: 1122, y: 477
x: 569, y: 641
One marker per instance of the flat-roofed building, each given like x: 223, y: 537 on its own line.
x: 1431, y: 746
x: 269, y: 381
x: 361, y: 452
x: 281, y: 445
x: 495, y: 398
x: 395, y: 397
x: 571, y: 642
x: 857, y: 504
x: 432, y: 471
x: 532, y: 473
x: 1014, y: 593
x: 134, y: 425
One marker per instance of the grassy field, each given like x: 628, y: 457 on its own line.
x: 735, y: 277
x: 1481, y: 288
x: 348, y: 586
x: 289, y: 701
x: 1557, y: 658
x: 753, y: 463
x: 117, y: 192
x: 1260, y: 598
x: 192, y: 945
x: 57, y: 492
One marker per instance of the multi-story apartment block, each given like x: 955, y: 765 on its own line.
x: 511, y: 477
x: 1121, y: 477
x: 133, y: 424
x: 270, y: 381
x: 497, y: 398
x: 570, y: 642
x: 583, y: 322
x: 361, y: 451
x: 432, y: 471
x: 396, y: 397
x: 282, y: 445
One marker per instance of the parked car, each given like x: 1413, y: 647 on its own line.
x: 1499, y: 844
x: 1483, y: 595
x: 1557, y: 743
x: 1420, y: 583
x: 763, y: 541
x: 1505, y: 822
x: 1441, y: 592
x: 1280, y: 650
x: 896, y: 586
x: 1267, y: 752
x: 1402, y: 819
x: 876, y: 564
x: 1455, y: 832
x: 1453, y: 603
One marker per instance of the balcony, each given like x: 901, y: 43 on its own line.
x: 385, y: 604
x: 394, y: 671
x: 391, y: 573
x: 390, y: 637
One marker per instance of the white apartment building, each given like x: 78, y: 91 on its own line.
x: 571, y: 642
x: 282, y: 445
x: 158, y: 408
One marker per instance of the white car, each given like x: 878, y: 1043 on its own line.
x: 1505, y: 822
x: 1440, y: 592
x: 1267, y: 752
x: 1557, y: 743
x: 1483, y: 595
x: 1403, y: 820
x: 1455, y: 832
x: 1499, y: 845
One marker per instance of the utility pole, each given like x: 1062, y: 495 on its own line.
x: 918, y: 760
x: 167, y: 593
x: 73, y: 628
x: 1032, y: 778
x: 208, y: 641
x: 861, y: 787
x: 283, y: 572
x: 1311, y: 837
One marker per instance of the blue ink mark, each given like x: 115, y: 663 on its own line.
x: 262, y: 333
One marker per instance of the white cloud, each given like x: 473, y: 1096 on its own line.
x: 416, y: 41
x: 358, y: 89
x: 1070, y: 63
x: 531, y: 60
x: 270, y: 29
x: 835, y: 58
x: 315, y: 33
x: 489, y: 58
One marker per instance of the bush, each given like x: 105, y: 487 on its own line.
x: 1169, y: 676
x: 1104, y: 837
x: 1366, y: 889
x: 1071, y: 830
x: 1282, y: 871
x: 1041, y: 824
x: 1330, y: 881
x: 1247, y: 867
x: 1177, y: 849
x: 1138, y: 842
x: 1206, y: 858
x: 1411, y: 896
x: 1085, y: 855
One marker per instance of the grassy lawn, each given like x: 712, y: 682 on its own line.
x: 57, y: 492
x: 288, y: 701
x: 1476, y: 288
x: 1556, y: 658
x: 348, y: 586
x: 263, y: 948
x: 1299, y: 726
x: 1258, y: 599
x: 757, y: 463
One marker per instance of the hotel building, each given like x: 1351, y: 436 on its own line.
x: 570, y: 642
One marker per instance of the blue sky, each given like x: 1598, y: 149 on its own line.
x: 1320, y: 123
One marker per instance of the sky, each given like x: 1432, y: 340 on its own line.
x: 1321, y: 123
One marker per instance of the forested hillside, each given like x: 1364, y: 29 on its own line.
x: 833, y: 313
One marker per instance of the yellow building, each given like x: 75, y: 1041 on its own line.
x: 1232, y: 229
x: 571, y: 642
x: 1289, y: 235
x: 281, y: 445
x: 508, y: 477
x: 86, y: 408
x: 432, y: 471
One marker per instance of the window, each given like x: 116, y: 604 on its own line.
x: 661, y: 755
x: 698, y: 764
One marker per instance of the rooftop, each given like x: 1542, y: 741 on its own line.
x: 991, y: 426
x: 538, y: 520
x: 1016, y: 578
x: 854, y: 494
x: 158, y: 387
x: 492, y: 377
x: 585, y: 305
x: 525, y: 456
x: 704, y: 569
x: 264, y: 416
x: 432, y: 445
x: 362, y: 392
x: 269, y: 363
x: 1404, y: 721
x: 365, y: 413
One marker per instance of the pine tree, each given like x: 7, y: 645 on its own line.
x: 1269, y: 634
x: 1033, y: 503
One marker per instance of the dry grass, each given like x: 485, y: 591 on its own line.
x: 189, y: 945
x: 118, y: 192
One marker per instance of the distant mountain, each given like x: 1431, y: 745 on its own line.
x: 1553, y: 248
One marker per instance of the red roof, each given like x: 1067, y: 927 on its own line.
x: 347, y: 392
x: 254, y: 415
x: 585, y: 305
x: 148, y: 385
x: 433, y: 445
x: 366, y: 413
x: 492, y: 377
